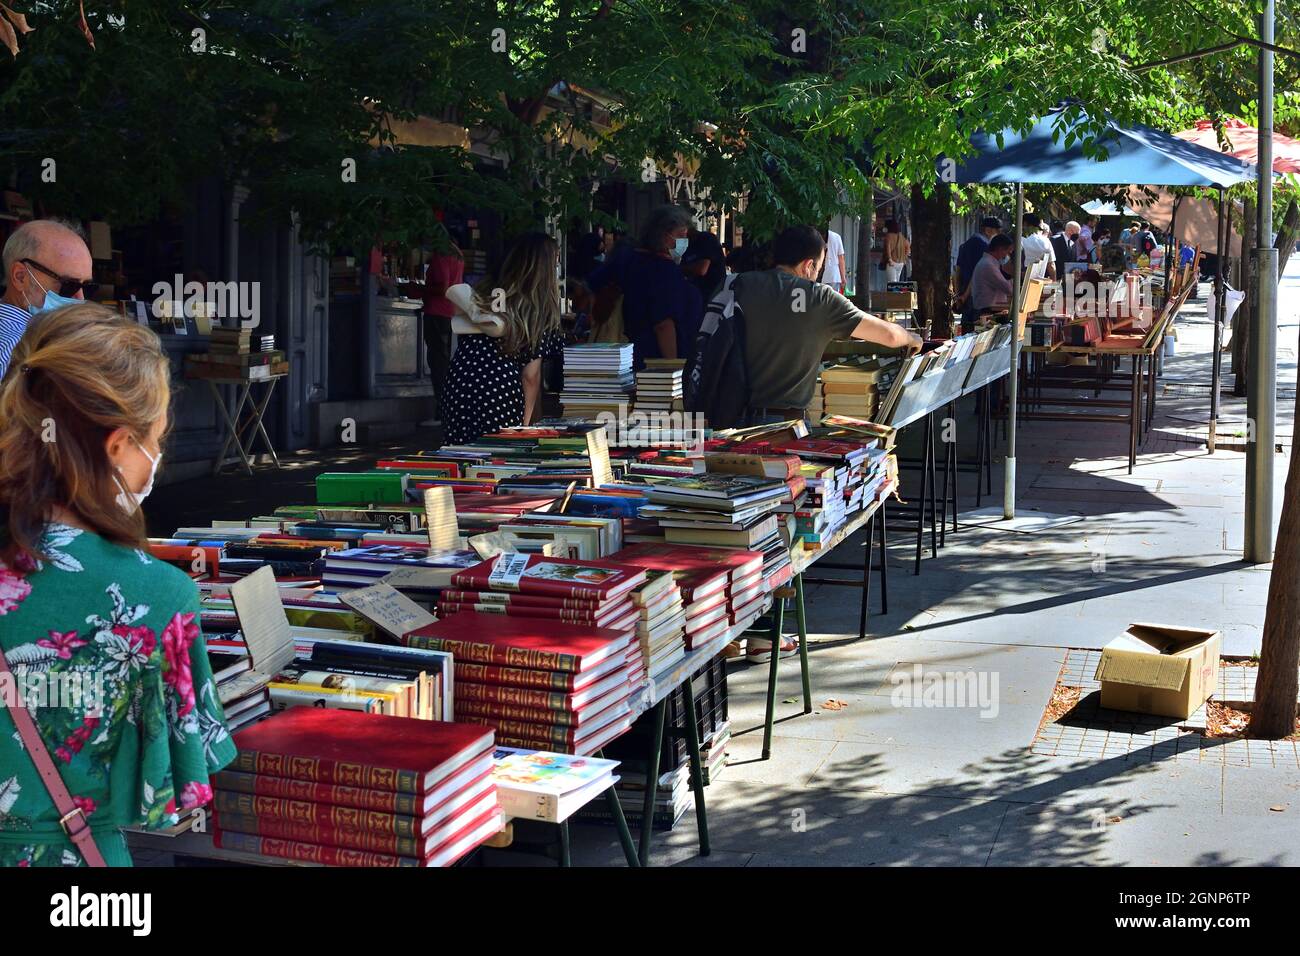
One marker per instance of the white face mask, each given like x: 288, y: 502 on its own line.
x: 130, y: 501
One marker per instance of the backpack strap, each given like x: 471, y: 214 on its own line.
x: 71, y: 817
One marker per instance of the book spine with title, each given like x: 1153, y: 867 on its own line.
x: 307, y: 852
x: 306, y: 813
x: 513, y: 677
x: 382, y: 801
x: 326, y: 771
x: 477, y: 652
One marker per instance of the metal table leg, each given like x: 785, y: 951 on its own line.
x: 566, y: 859
x: 920, y: 502
x: 1133, y: 418
x: 778, y: 619
x: 697, y: 770
x: 801, y: 615
x: 866, y: 577
x: 652, y: 783
x: 884, y: 560
x: 620, y: 824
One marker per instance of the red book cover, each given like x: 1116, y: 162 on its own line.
x: 377, y: 842
x: 558, y: 681
x: 585, y: 746
x: 350, y: 818
x: 415, y: 465
x: 538, y: 699
x: 519, y: 641
x: 556, y: 577
x: 691, y: 559
x: 307, y: 852
x: 826, y: 448
x: 349, y: 748
x: 552, y: 734
x: 559, y: 717
x: 571, y: 616
x: 707, y: 604
x: 382, y: 801
x: 471, y: 503
x: 470, y: 835
x: 505, y: 597
x: 195, y: 560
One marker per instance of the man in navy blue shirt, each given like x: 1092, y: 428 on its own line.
x: 662, y: 311
x: 968, y: 257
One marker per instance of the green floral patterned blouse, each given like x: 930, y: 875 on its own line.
x: 105, y: 648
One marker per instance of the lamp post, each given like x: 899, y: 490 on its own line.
x: 1261, y: 393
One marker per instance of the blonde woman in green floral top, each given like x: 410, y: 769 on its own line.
x: 102, y: 639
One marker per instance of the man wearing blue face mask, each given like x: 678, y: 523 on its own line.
x: 46, y: 265
x: 990, y: 289
x: 661, y: 309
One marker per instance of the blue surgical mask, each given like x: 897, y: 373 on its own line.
x: 679, y: 247
x: 52, y: 299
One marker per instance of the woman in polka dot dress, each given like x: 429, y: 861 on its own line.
x: 496, y: 381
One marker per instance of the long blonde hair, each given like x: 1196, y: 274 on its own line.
x: 79, y: 373
x: 526, y: 294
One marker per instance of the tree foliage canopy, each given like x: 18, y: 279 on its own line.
x: 800, y: 108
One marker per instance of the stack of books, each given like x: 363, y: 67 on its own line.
x: 729, y: 511
x: 541, y: 683
x: 597, y: 378
x: 852, y: 388
x: 348, y: 789
x: 241, y: 689
x: 659, y: 386
x: 419, y: 569
x: 861, y: 466
x: 661, y: 622
x: 547, y: 786
x: 722, y: 588
x: 231, y: 354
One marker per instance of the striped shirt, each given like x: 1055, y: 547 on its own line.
x: 13, y: 323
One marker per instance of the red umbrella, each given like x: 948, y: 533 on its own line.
x: 1244, y: 142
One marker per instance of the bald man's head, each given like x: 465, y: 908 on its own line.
x: 55, y: 249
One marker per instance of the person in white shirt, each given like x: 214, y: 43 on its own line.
x: 1037, y: 248
x: 835, y: 271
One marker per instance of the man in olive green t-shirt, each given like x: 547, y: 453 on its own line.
x: 790, y: 319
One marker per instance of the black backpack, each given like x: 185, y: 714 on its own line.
x: 716, y: 381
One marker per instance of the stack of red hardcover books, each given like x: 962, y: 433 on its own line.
x: 345, y: 788
x: 543, y: 684
x: 598, y: 593
x: 721, y: 587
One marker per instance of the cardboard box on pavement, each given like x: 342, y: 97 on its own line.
x: 1159, y: 669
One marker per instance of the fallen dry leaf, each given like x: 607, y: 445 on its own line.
x: 834, y: 704
x: 1278, y: 809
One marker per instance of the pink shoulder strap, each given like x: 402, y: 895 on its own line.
x: 71, y: 817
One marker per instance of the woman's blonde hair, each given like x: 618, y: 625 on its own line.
x: 79, y: 373
x: 531, y: 294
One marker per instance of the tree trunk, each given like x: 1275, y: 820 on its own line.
x: 1286, y: 237
x: 932, y: 256
x: 862, y: 282
x: 1241, y: 321
x: 1273, y: 714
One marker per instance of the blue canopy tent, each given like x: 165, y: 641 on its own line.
x: 1048, y: 154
